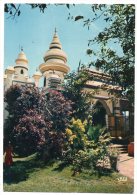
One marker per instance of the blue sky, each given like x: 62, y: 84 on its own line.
x: 34, y: 31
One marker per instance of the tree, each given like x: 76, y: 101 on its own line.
x: 10, y: 98
x: 29, y: 133
x: 37, y: 117
x: 58, y: 111
x: 73, y: 90
x: 14, y: 10
x: 20, y: 99
x: 23, y: 104
x: 120, y: 31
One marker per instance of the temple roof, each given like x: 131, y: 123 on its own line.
x: 9, y: 69
x: 21, y: 59
x: 55, y: 50
x: 37, y: 74
x: 55, y: 42
x: 55, y: 58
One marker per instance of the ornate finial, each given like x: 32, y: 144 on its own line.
x: 55, y: 30
x: 21, y: 48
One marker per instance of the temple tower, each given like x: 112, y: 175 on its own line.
x: 55, y: 65
x: 36, y: 76
x: 21, y: 67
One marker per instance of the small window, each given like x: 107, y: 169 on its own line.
x: 44, y: 81
x: 21, y: 71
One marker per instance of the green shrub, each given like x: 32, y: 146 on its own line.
x: 93, y: 132
x: 92, y: 154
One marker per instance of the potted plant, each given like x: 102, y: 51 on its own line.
x: 131, y: 149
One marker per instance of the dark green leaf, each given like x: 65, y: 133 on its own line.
x: 106, y: 19
x: 78, y: 18
x: 68, y: 6
x: 13, y: 5
x: 19, y: 12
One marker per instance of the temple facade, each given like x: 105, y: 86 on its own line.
x: 111, y: 112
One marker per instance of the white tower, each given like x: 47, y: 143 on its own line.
x: 21, y: 67
x: 37, y: 75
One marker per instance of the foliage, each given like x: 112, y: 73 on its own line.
x: 75, y: 140
x: 59, y: 110
x: 75, y: 133
x: 11, y: 96
x: 29, y: 133
x: 120, y: 20
x: 95, y: 154
x: 38, y: 118
x: 94, y: 132
x: 18, y: 101
x: 14, y: 10
x: 54, y: 145
x: 86, y: 151
x: 91, y: 152
x: 73, y: 90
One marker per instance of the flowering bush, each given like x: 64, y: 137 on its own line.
x: 76, y: 133
x: 38, y: 117
x: 76, y: 139
x: 18, y: 100
x: 58, y: 109
x: 29, y: 134
x: 84, y: 153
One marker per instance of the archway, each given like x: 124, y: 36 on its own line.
x: 100, y: 116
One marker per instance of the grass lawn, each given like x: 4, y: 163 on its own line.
x: 32, y: 176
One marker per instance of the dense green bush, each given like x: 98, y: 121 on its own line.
x: 93, y: 132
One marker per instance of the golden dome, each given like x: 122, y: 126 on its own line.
x: 55, y: 54
x: 10, y: 69
x: 54, y: 66
x: 37, y: 74
x: 55, y: 50
x: 21, y: 58
x: 55, y: 42
x: 55, y: 58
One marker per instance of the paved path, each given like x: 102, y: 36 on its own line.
x: 126, y: 165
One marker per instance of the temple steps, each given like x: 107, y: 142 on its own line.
x: 120, y: 144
